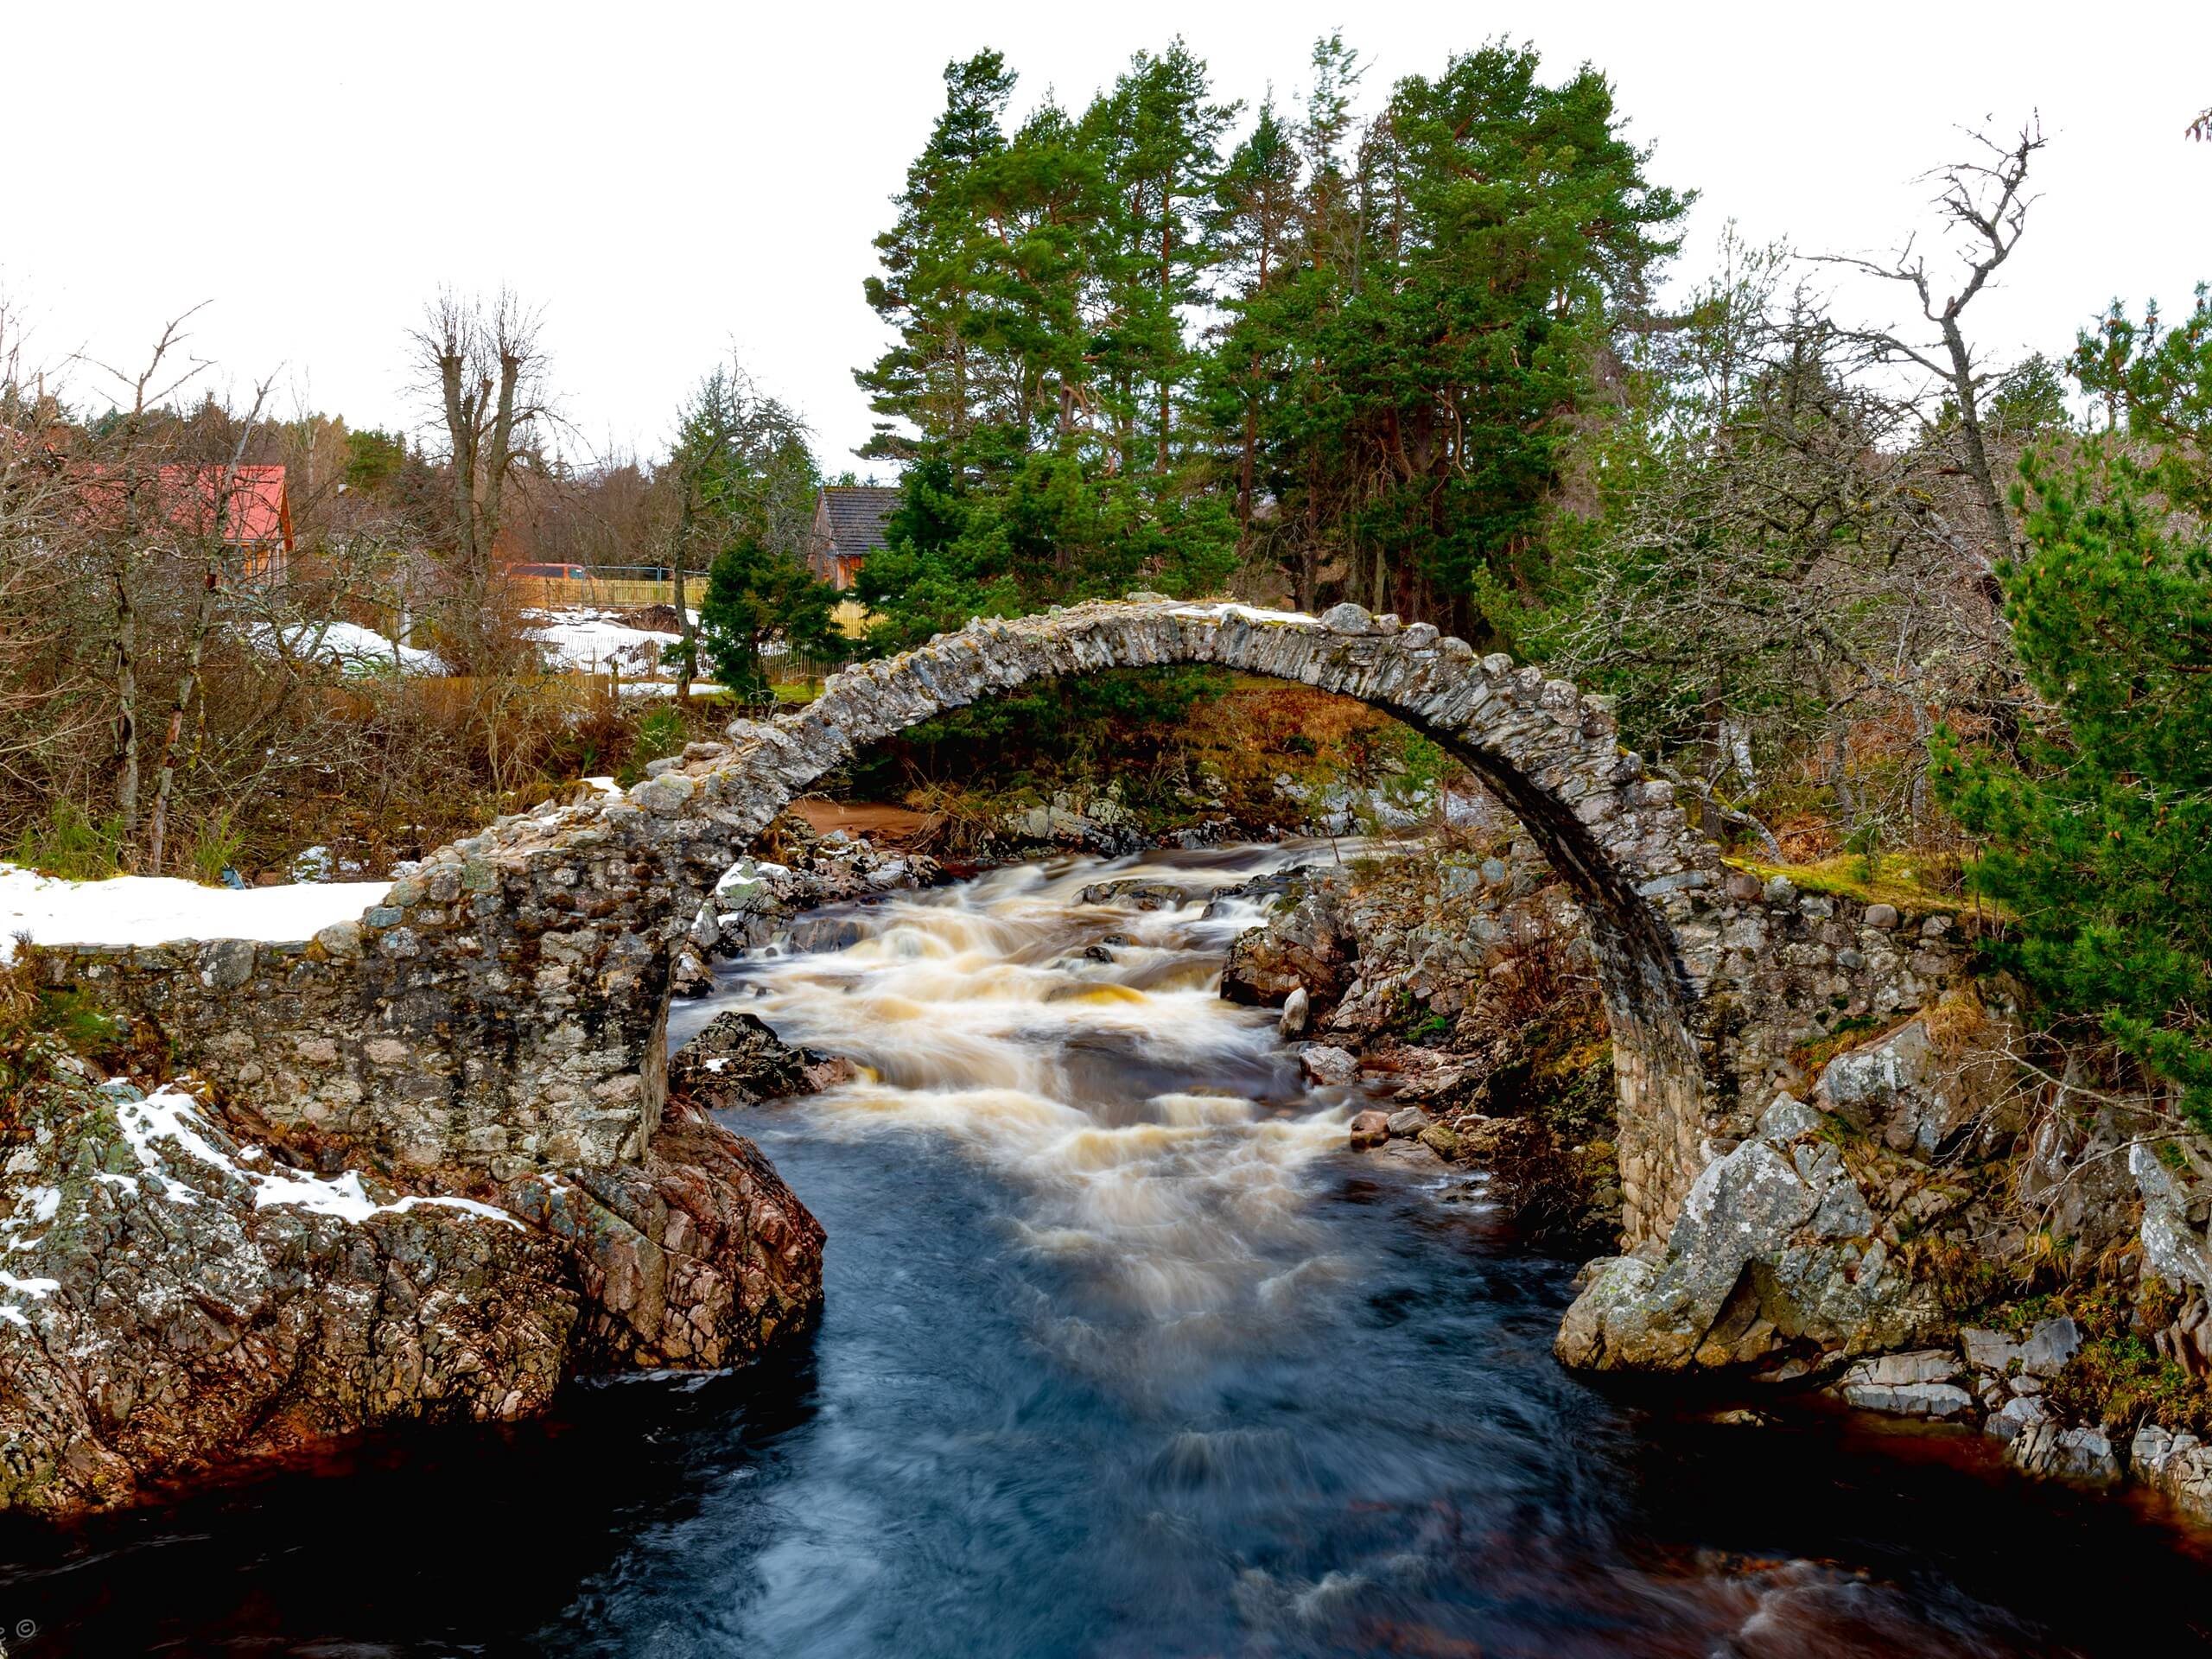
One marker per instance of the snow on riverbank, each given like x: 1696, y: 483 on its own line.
x: 155, y: 910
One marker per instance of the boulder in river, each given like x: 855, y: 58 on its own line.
x: 1369, y: 1129
x: 1134, y: 894
x: 736, y: 1060
x: 1329, y: 1067
x: 1307, y: 947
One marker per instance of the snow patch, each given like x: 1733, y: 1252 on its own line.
x: 137, y: 910
x: 39, y: 1288
x: 162, y: 1116
x: 589, y: 641
x: 1249, y: 612
x: 357, y: 650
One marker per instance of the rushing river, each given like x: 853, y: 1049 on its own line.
x: 1124, y: 1355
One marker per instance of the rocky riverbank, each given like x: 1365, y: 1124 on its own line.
x: 1926, y: 1223
x: 762, y: 900
x: 1456, y: 981
x: 187, y: 1292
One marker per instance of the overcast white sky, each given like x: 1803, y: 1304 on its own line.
x: 669, y: 179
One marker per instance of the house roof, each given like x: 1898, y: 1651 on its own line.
x: 854, y: 515
x: 255, y: 512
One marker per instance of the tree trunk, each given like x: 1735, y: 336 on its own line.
x: 1999, y: 524
x: 1168, y: 307
x: 126, y: 699
x: 203, y: 618
x: 680, y: 552
x: 460, y: 428
x: 165, y: 779
x: 1247, y: 466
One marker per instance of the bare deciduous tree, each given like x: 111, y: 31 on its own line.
x: 484, y: 369
x: 1985, y: 199
x: 209, y: 513
x: 122, y: 488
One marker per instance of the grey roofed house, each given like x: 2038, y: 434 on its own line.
x: 848, y: 521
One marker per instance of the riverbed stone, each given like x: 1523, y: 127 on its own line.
x: 2177, y: 1464
x: 1989, y: 1350
x: 183, y: 1295
x: 2174, y: 1249
x: 1443, y: 1142
x: 2083, y: 1456
x: 2049, y: 1346
x: 1773, y: 1249
x: 1369, y: 1129
x: 1330, y: 1066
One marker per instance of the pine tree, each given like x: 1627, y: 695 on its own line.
x: 935, y: 261
x: 1253, y: 232
x: 2101, y: 841
x: 1158, y: 135
x: 756, y: 597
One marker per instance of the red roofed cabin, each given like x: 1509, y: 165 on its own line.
x: 253, y: 517
x: 848, y: 520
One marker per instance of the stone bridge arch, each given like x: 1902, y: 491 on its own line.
x: 506, y: 1007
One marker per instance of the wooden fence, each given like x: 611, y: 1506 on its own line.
x: 557, y: 594
x: 588, y: 593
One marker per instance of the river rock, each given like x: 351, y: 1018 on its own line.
x: 737, y: 1060
x: 1369, y: 1129
x: 697, y: 1256
x: 2177, y: 1464
x: 1989, y: 1350
x: 2080, y: 1455
x: 1307, y: 947
x: 1134, y: 894
x: 1773, y: 1248
x: 1444, y: 1142
x: 2014, y: 1417
x: 2172, y: 1249
x: 1332, y: 1068
x: 1292, y: 1023
x: 1787, y: 1119
x: 1407, y: 1121
x: 2049, y: 1346
x: 756, y: 900
x: 1919, y: 1100
x: 1915, y: 1384
x: 1497, y: 1139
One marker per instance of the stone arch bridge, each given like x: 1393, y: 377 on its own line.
x: 506, y: 1007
